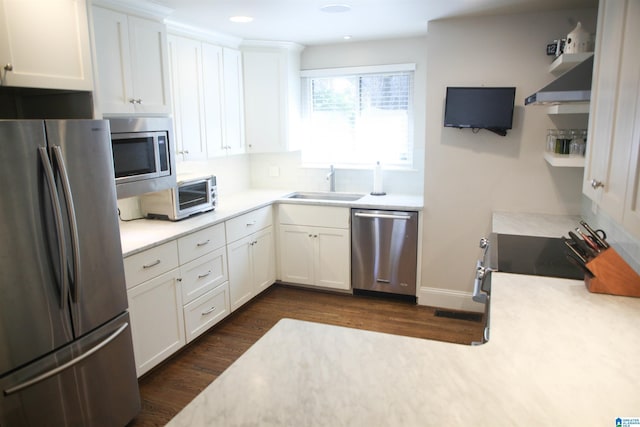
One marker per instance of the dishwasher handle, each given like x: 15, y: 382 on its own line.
x: 382, y: 216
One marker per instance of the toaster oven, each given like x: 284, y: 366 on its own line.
x: 186, y: 198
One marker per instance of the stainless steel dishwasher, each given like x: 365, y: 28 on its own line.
x: 384, y: 250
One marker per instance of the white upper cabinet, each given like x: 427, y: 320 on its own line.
x: 185, y: 57
x: 213, y: 94
x: 272, y: 97
x: 207, y: 95
x: 610, y: 176
x: 45, y: 44
x: 133, y: 65
x: 233, y: 101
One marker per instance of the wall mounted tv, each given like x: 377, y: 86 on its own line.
x: 488, y: 108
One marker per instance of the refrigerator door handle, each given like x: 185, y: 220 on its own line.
x: 67, y: 365
x: 73, y: 221
x: 62, y: 249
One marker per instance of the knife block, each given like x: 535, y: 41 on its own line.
x: 612, y: 275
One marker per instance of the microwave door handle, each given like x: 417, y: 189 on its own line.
x: 57, y: 213
x: 73, y: 221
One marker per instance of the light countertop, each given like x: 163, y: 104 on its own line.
x: 558, y: 355
x: 534, y: 224
x: 139, y: 235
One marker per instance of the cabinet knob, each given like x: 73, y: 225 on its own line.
x: 595, y: 184
x: 8, y: 67
x: 132, y: 101
x: 138, y: 101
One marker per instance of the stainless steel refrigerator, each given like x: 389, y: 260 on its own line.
x: 66, y: 355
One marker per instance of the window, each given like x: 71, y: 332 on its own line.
x: 358, y: 116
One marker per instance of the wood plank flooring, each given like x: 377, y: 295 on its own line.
x: 172, y: 385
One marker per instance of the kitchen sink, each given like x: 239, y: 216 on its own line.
x: 342, y: 197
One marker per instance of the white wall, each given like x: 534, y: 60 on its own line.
x: 468, y: 176
x: 349, y: 54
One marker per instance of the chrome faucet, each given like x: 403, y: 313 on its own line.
x: 331, y: 177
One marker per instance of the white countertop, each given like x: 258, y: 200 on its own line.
x: 557, y: 355
x: 534, y: 224
x: 139, y: 235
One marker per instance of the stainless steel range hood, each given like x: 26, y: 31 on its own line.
x: 572, y: 86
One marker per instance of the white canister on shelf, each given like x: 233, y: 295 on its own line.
x: 578, y: 41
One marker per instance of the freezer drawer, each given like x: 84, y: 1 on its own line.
x: 384, y: 251
x: 96, y: 388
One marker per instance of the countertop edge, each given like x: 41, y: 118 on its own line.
x: 238, y: 204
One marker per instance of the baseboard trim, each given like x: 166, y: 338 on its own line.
x: 445, y: 298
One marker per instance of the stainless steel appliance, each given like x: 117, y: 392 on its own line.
x: 384, y: 251
x: 482, y: 284
x: 143, y: 155
x: 66, y: 355
x: 188, y: 197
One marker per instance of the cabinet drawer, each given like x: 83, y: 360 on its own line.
x: 318, y: 216
x: 243, y: 225
x: 206, y: 311
x: 203, y: 274
x: 150, y: 263
x: 201, y: 242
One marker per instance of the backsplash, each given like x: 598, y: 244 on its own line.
x: 284, y: 171
x: 625, y: 244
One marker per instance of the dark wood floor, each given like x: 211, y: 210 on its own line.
x: 172, y: 385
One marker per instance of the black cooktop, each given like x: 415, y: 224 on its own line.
x: 537, y: 256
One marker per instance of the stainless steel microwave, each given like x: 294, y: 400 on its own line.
x: 187, y: 198
x: 143, y: 155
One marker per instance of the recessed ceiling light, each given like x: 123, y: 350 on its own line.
x: 241, y: 19
x: 335, y: 8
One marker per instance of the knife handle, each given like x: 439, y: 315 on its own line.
x: 575, y: 251
x: 588, y: 240
x: 582, y: 245
x: 599, y: 240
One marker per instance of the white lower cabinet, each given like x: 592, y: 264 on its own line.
x: 206, y: 310
x: 176, y: 291
x: 316, y: 256
x: 315, y: 246
x: 157, y: 322
x: 251, y: 266
x: 251, y: 255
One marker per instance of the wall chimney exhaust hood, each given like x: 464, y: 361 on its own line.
x: 572, y: 86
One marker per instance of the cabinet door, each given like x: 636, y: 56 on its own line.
x: 296, y: 254
x: 332, y: 261
x: 599, y: 185
x: 213, y: 99
x: 46, y: 44
x: 233, y: 101
x: 187, y: 97
x: 114, y: 81
x: 241, y: 287
x: 263, y: 259
x: 631, y: 217
x: 263, y: 107
x: 149, y: 66
x: 157, y: 321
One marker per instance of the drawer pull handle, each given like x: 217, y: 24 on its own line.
x: 202, y: 276
x: 153, y: 264
x: 211, y: 310
x: 251, y: 223
x: 206, y: 242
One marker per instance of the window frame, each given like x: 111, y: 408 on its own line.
x: 306, y: 103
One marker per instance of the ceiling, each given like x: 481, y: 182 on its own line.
x: 303, y: 22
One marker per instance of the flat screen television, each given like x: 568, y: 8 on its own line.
x: 488, y: 108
